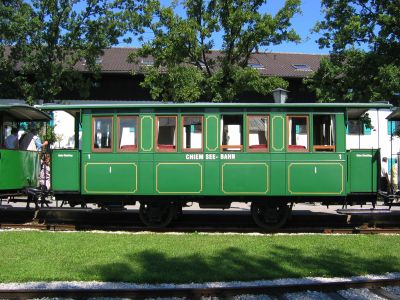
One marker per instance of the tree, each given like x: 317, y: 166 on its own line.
x: 185, y: 66
x: 51, y: 42
x: 351, y: 73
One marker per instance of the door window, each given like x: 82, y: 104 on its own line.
x: 102, y: 140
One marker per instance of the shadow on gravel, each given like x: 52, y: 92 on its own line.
x: 234, y: 264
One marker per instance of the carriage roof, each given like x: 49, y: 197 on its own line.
x: 354, y: 110
x: 23, y: 113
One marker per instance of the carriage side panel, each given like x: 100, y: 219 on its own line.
x: 18, y: 169
x: 65, y: 162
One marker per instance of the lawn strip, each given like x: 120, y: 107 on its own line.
x: 158, y: 258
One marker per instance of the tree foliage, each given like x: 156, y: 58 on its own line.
x: 351, y: 73
x: 185, y: 66
x: 45, y: 42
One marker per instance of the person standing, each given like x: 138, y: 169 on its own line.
x: 395, y: 183
x: 44, y: 176
x: 31, y: 141
x: 384, y: 175
x: 12, y: 140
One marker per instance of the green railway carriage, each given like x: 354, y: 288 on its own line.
x: 165, y: 155
x: 18, y: 168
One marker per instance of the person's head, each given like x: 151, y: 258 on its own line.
x: 14, y: 131
x: 384, y: 159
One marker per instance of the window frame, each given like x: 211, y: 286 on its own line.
x: 324, y: 148
x: 119, y: 117
x: 103, y: 150
x: 307, y: 117
x: 237, y: 148
x: 248, y: 134
x: 157, y: 131
x: 183, y: 132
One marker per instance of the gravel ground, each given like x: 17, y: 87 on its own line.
x: 123, y: 285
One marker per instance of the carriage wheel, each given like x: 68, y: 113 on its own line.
x: 156, y: 215
x: 270, y: 216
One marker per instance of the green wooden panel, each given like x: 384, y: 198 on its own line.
x: 278, y: 174
x: 147, y: 132
x: 212, y: 178
x: 211, y: 133
x: 146, y: 177
x: 364, y: 170
x: 86, y: 133
x: 277, y: 132
x: 18, y: 169
x: 340, y: 133
x: 316, y: 178
x: 65, y: 162
x: 110, y: 178
x: 245, y: 178
x: 179, y: 178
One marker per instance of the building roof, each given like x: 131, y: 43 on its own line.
x: 295, y: 65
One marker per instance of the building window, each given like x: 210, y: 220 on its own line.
x: 127, y: 133
x: 302, y: 67
x: 257, y: 133
x: 256, y: 66
x: 166, y: 133
x: 357, y: 127
x: 102, y: 134
x: 231, y: 132
x: 297, y: 133
x: 324, y: 132
x: 393, y: 126
x: 192, y: 133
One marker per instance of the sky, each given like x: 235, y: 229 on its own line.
x: 302, y: 23
x: 311, y: 13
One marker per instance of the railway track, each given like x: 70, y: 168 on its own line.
x: 111, y: 228
x: 192, y: 221
x: 333, y: 290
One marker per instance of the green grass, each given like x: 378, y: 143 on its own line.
x: 156, y: 258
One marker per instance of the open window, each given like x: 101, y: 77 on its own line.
x: 297, y: 134
x: 231, y: 133
x: 324, y: 132
x: 102, y: 134
x: 166, y: 133
x: 127, y: 133
x: 257, y: 127
x: 192, y: 133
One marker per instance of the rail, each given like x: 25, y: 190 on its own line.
x: 375, y: 285
x: 321, y: 230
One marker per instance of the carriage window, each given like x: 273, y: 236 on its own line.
x: 166, y: 134
x: 324, y: 132
x: 297, y: 133
x: 127, y: 133
x: 192, y: 135
x: 231, y: 132
x: 102, y: 134
x: 257, y: 133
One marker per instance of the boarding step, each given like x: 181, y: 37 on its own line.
x: 363, y: 211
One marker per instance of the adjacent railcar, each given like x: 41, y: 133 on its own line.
x: 167, y: 155
x: 19, y: 169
